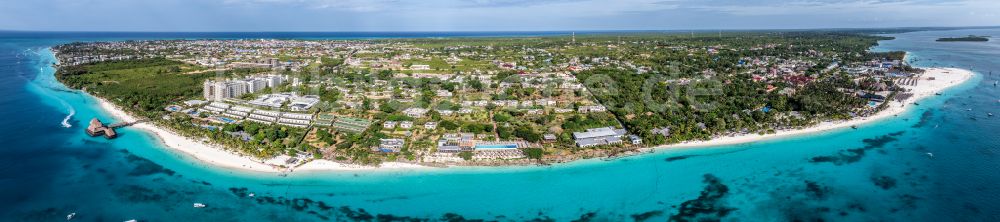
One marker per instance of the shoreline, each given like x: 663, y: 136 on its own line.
x: 218, y: 156
x: 944, y: 78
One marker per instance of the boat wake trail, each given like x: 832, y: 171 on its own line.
x: 41, y: 83
x: 72, y: 111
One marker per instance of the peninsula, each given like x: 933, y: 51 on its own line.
x: 278, y: 105
x: 970, y: 38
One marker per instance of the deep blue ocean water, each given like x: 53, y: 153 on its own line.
x: 879, y: 172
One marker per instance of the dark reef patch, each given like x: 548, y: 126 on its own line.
x: 908, y: 201
x: 542, y: 218
x: 587, y: 217
x: 135, y: 193
x: 884, y: 182
x: 89, y: 142
x: 879, y: 142
x: 857, y: 207
x: 811, y: 201
x: 47, y: 214
x: 358, y: 215
x: 145, y: 167
x: 239, y: 192
x: 676, y: 158
x: 683, y: 157
x: 924, y: 119
x: 324, y: 211
x: 646, y: 216
x: 815, y: 190
x: 452, y: 217
x: 708, y: 205
x: 972, y: 208
x: 388, y: 199
x: 389, y: 217
x: 854, y: 155
x: 842, y: 157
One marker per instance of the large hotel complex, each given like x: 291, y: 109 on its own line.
x: 234, y: 88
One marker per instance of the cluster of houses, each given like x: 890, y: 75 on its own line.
x: 84, y: 59
x: 771, y: 69
x: 793, y: 72
x: 407, y: 125
x: 227, y: 54
x: 80, y: 53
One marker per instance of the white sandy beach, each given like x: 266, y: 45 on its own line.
x: 326, y: 165
x: 218, y: 156
x: 943, y: 78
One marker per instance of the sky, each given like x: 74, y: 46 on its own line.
x: 487, y: 15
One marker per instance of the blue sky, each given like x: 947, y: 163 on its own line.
x: 486, y: 15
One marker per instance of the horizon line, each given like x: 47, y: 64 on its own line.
x: 509, y: 31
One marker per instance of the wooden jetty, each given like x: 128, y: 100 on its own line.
x: 97, y: 128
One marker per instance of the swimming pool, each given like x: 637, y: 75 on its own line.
x: 225, y: 120
x: 497, y: 146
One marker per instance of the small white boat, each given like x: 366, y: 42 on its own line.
x: 199, y: 205
x: 251, y: 195
x: 132, y: 220
x: 70, y: 216
x: 930, y: 154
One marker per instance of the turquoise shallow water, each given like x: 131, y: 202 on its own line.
x: 878, y: 172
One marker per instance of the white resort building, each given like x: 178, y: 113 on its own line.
x: 214, y: 90
x: 598, y: 137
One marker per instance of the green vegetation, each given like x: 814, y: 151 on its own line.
x: 970, y: 38
x: 466, y: 155
x: 710, y: 105
x: 143, y: 86
x: 665, y: 88
x: 534, y: 153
